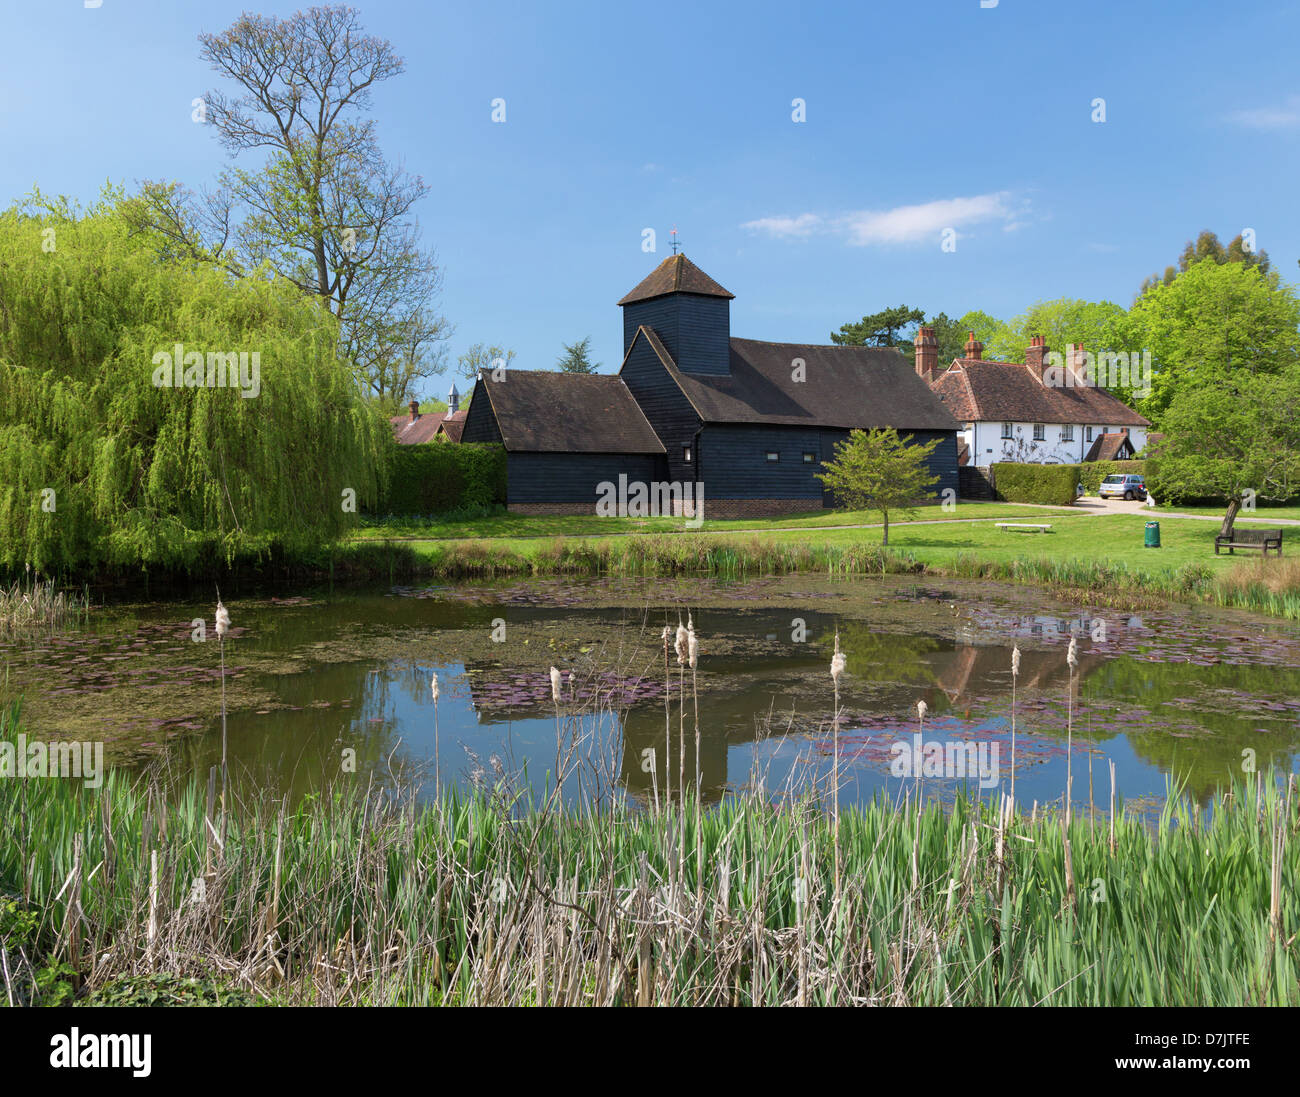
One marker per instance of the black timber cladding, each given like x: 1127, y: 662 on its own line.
x: 669, y: 412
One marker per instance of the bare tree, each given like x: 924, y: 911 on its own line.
x: 325, y: 209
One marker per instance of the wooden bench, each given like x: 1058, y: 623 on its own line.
x: 1024, y: 527
x: 1265, y: 540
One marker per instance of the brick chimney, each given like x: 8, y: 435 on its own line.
x: 1036, y: 355
x: 974, y: 348
x: 927, y: 353
x: 414, y: 405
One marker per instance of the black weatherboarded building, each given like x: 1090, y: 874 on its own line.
x: 743, y: 424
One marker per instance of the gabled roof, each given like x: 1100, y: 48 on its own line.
x: 453, y: 424
x: 1110, y: 447
x: 412, y: 432
x: 842, y: 387
x: 544, y: 412
x: 676, y: 274
x: 976, y: 390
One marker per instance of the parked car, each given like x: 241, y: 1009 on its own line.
x: 1121, y: 486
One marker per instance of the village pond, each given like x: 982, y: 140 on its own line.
x: 335, y: 685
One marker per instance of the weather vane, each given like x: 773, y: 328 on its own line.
x: 674, y: 236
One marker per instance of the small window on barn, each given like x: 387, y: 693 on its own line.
x: 1040, y: 432
x: 809, y: 458
x: 1006, y: 430
x: 773, y: 455
x: 686, y: 454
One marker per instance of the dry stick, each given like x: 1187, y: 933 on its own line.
x: 801, y: 913
x: 1112, y: 805
x: 699, y: 796
x: 1069, y: 862
x: 153, y: 908
x: 1015, y: 674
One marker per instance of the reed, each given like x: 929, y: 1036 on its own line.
x: 363, y: 896
x: 36, y: 605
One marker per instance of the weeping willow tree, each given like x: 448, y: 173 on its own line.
x: 102, y: 463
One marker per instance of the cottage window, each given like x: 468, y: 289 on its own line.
x: 809, y: 458
x: 1006, y: 430
x: 1087, y: 434
x: 773, y: 455
x: 1040, y: 432
x: 686, y: 454
x: 1067, y: 432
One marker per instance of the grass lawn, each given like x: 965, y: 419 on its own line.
x: 1116, y: 538
x: 518, y: 526
x: 1259, y: 515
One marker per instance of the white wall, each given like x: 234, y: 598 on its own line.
x: 987, y: 444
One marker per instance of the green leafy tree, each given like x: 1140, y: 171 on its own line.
x: 1208, y: 246
x: 323, y: 208
x: 1212, y: 322
x: 577, y: 357
x: 483, y: 358
x: 878, y: 470
x: 881, y: 329
x: 1063, y: 321
x: 103, y: 465
x: 1239, y: 435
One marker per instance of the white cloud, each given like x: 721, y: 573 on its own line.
x: 1286, y: 116
x: 900, y: 225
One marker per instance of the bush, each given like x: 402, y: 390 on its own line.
x: 434, y: 479
x: 1053, y: 485
x: 1092, y: 473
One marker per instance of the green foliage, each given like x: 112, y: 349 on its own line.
x: 881, y: 329
x: 878, y: 470
x: 1053, y: 485
x: 145, y: 475
x: 433, y: 479
x: 1064, y: 321
x: 1092, y: 473
x: 1208, y: 246
x: 577, y: 358
x: 162, y: 989
x: 1242, y: 434
x: 1213, y: 322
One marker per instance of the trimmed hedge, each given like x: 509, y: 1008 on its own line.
x: 1053, y: 485
x: 444, y: 476
x: 1092, y: 473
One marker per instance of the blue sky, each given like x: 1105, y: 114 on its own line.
x: 919, y: 117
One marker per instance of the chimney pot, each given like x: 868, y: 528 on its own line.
x: 974, y: 348
x: 414, y: 405
x: 927, y: 353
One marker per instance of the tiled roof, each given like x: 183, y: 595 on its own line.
x: 411, y: 432
x: 976, y: 390
x: 545, y: 412
x: 841, y: 387
x: 1110, y: 447
x: 453, y: 425
x: 676, y: 274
